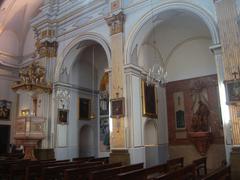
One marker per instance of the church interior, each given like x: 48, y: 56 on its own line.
x: 120, y: 89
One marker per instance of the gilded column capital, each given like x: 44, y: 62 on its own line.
x: 116, y: 23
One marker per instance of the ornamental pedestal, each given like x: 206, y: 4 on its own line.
x: 201, y: 140
x: 29, y: 132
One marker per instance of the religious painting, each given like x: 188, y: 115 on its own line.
x: 149, y: 105
x: 62, y: 116
x: 84, y: 109
x: 5, y: 107
x: 104, y: 107
x: 117, y: 108
x: 233, y: 91
x: 179, y: 110
x: 104, y: 135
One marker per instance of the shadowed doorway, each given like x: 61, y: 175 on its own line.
x: 4, y: 138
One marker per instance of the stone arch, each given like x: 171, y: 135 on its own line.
x: 86, y: 141
x: 150, y: 133
x: 207, y: 18
x: 85, y: 37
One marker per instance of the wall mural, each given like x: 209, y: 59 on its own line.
x: 5, y: 107
x: 193, y: 103
x: 104, y: 134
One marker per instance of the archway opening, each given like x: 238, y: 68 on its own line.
x: 81, y: 72
x: 179, y: 41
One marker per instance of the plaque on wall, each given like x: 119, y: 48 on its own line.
x: 117, y: 108
x: 62, y: 116
x: 149, y: 105
x: 233, y: 91
x: 5, y: 107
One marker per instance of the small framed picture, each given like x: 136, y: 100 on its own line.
x: 117, y: 108
x: 84, y: 109
x: 149, y: 105
x: 5, y: 107
x: 62, y: 116
x: 103, y: 105
x: 233, y: 91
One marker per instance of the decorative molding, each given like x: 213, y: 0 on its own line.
x: 116, y: 23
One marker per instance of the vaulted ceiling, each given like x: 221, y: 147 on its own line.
x: 15, y: 17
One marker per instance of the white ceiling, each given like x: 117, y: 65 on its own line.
x: 16, y: 15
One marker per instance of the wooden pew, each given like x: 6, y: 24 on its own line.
x: 5, y: 167
x: 82, y: 173
x: 174, y: 164
x: 83, y: 158
x: 57, y: 171
x: 223, y: 173
x: 143, y: 174
x: 185, y: 173
x: 36, y: 170
x: 201, y: 167
x: 112, y: 172
x: 105, y: 160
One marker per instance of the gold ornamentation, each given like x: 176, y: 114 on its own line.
x: 116, y: 22
x: 32, y: 78
x: 46, y: 48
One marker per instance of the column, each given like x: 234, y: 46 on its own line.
x: 229, y: 35
x: 117, y: 136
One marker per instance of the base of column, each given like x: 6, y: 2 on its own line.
x: 235, y: 163
x: 120, y: 155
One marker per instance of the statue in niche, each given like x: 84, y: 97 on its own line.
x: 200, y: 118
x: 200, y: 108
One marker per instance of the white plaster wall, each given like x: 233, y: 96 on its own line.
x: 29, y: 45
x: 192, y: 59
x: 9, y: 43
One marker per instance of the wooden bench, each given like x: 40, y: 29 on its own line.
x: 143, y: 174
x: 185, y: 173
x: 57, y: 171
x: 36, y: 170
x: 223, y: 173
x: 174, y: 164
x: 105, y: 160
x: 82, y: 173
x: 201, y: 167
x: 113, y: 172
x: 83, y: 158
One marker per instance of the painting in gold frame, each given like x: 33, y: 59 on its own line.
x: 84, y: 109
x: 149, y: 105
x: 233, y: 91
x: 117, y: 108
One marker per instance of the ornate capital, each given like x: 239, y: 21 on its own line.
x: 46, y: 48
x: 116, y: 23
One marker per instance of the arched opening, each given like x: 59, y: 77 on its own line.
x: 81, y: 71
x: 150, y: 134
x: 179, y: 41
x: 86, y: 142
x: 151, y: 143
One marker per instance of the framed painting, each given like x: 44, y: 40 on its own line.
x: 104, y: 106
x: 149, y: 105
x: 104, y: 135
x: 5, y: 107
x: 233, y: 91
x: 84, y: 109
x: 117, y: 108
x: 62, y: 116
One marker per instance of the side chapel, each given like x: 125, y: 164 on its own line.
x: 138, y: 81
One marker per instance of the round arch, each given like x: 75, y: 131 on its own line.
x: 150, y: 133
x: 85, y: 37
x: 86, y: 141
x: 192, y: 8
